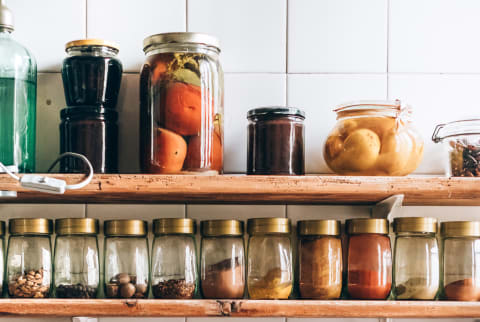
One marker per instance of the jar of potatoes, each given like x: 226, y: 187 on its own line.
x: 373, y: 138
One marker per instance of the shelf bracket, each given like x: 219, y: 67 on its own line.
x: 388, y: 207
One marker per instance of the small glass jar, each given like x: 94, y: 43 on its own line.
x: 2, y: 252
x: 320, y: 259
x: 276, y: 141
x: 369, y: 259
x: 416, y: 259
x: 174, y: 259
x: 270, y: 263
x: 181, y: 104
x: 126, y: 264
x: 91, y: 73
x: 223, y: 259
x: 374, y: 138
x: 76, y: 263
x: 90, y: 131
x: 29, y: 258
x: 461, y: 260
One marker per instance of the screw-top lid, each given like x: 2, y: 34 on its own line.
x: 30, y: 226
x: 76, y: 226
x: 460, y: 229
x: 367, y: 226
x: 270, y: 111
x: 268, y: 226
x: 327, y: 227
x: 131, y: 227
x: 415, y: 225
x: 180, y: 38
x: 91, y: 42
x: 6, y: 17
x: 174, y: 226
x: 216, y: 228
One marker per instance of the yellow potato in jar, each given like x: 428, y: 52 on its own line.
x: 394, y: 153
x: 346, y: 127
x: 416, y: 155
x: 333, y: 147
x: 380, y: 125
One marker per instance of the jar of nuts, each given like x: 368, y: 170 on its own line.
x: 76, y: 263
x: 126, y: 272
x: 29, y: 258
x: 174, y: 259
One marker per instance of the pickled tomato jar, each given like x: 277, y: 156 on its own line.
x: 181, y: 104
x: 374, y: 138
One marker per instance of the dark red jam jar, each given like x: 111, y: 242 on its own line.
x: 276, y: 141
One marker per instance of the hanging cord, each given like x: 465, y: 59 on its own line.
x: 78, y: 156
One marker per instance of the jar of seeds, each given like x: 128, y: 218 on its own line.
x: 126, y: 272
x: 29, y: 259
x: 76, y: 268
x: 174, y: 259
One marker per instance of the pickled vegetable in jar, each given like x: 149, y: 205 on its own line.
x: 373, y: 138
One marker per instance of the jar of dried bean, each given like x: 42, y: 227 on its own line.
x: 223, y: 259
x: 29, y: 258
x: 174, y: 258
x: 76, y: 263
x: 461, y: 260
x: 126, y: 268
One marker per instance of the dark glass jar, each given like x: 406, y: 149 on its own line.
x: 276, y: 141
x: 91, y: 73
x: 92, y: 132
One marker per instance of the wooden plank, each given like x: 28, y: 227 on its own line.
x: 131, y: 188
x: 238, y: 308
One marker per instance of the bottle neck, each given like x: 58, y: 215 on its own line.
x: 5, y: 32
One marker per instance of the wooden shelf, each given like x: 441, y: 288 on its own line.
x: 132, y: 188
x: 237, y: 308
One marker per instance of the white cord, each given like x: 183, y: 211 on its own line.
x: 5, y: 169
x: 84, y: 159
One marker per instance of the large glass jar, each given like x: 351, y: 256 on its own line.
x: 373, y: 138
x: 369, y: 259
x: 275, y: 141
x: 223, y: 259
x: 269, y: 263
x: 91, y: 73
x: 76, y: 263
x: 416, y: 260
x: 181, y: 110
x: 461, y: 260
x: 126, y: 265
x: 320, y: 259
x: 29, y: 258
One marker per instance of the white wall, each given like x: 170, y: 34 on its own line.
x: 313, y: 54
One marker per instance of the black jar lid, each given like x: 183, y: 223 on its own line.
x: 80, y: 112
x: 271, y: 111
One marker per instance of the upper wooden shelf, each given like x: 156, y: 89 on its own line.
x: 311, y: 189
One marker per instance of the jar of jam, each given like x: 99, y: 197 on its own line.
x: 93, y: 132
x: 275, y: 141
x: 91, y: 73
x: 181, y: 110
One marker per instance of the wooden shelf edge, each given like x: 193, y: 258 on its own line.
x: 237, y: 308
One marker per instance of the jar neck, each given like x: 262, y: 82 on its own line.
x: 96, y: 51
x: 416, y: 234
x: 374, y: 112
x: 5, y: 32
x: 183, y: 48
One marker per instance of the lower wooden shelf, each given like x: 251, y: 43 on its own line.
x: 238, y: 308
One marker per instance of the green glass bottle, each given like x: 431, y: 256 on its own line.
x: 18, y: 96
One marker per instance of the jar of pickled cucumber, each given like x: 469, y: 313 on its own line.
x: 373, y: 138
x: 181, y: 104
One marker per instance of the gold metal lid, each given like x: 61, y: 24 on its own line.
x: 367, y: 226
x: 460, y: 229
x: 91, y: 42
x: 213, y: 228
x: 76, y: 226
x: 268, y: 226
x: 130, y: 227
x: 415, y: 225
x: 163, y: 226
x: 319, y: 227
x: 181, y: 38
x: 30, y: 226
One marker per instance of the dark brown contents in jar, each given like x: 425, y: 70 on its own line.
x: 29, y: 285
x: 463, y: 290
x: 125, y: 286
x: 464, y: 159
x: 76, y: 291
x: 174, y: 289
x: 224, y: 280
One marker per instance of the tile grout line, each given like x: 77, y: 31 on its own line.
x: 286, y: 35
x: 86, y: 19
x: 186, y: 15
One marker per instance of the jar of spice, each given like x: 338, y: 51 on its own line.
x: 461, y: 265
x: 76, y: 262
x: 320, y: 259
x: 2, y: 252
x: 276, y: 141
x: 29, y: 258
x: 270, y: 263
x: 369, y: 259
x: 416, y: 260
x: 181, y: 104
x: 126, y: 268
x: 222, y: 259
x: 174, y: 258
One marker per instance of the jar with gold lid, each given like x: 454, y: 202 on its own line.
x: 222, y: 263
x: 126, y: 266
x: 174, y: 258
x: 369, y: 259
x: 76, y: 262
x: 461, y: 260
x: 269, y: 261
x: 320, y: 259
x: 416, y: 259
x: 29, y: 257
